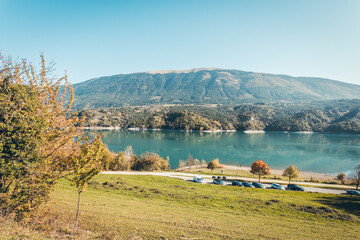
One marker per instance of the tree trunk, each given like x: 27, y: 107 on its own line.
x: 259, y: 177
x: 289, y: 180
x: 77, y: 212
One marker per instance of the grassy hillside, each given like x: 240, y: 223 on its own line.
x: 148, y: 207
x: 206, y: 86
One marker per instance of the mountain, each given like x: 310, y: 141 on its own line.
x: 206, y: 86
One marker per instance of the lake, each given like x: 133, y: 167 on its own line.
x: 324, y: 153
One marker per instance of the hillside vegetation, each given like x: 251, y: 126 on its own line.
x: 341, y: 116
x: 149, y: 207
x: 206, y: 86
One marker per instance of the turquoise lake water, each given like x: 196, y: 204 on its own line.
x: 325, y: 153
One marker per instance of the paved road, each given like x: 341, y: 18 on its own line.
x: 311, y: 187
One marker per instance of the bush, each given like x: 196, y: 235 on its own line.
x: 149, y: 162
x: 214, y: 164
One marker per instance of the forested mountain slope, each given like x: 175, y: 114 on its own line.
x: 206, y: 86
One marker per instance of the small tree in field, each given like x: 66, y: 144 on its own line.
x: 182, y: 164
x: 203, y: 162
x: 341, y: 177
x: 214, y: 164
x: 87, y: 164
x: 291, y: 172
x: 190, y: 161
x: 355, y: 175
x: 260, y: 168
x: 211, y: 165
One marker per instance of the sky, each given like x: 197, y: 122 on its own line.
x: 88, y: 39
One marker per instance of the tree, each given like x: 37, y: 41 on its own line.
x: 182, y: 164
x: 211, y: 165
x: 355, y: 175
x: 260, y: 168
x: 37, y: 140
x: 87, y: 163
x: 214, y: 164
x: 150, y: 162
x: 291, y: 172
x: 341, y: 177
x: 203, y: 162
x: 190, y: 161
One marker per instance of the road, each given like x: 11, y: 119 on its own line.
x: 310, y: 187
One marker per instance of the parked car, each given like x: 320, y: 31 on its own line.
x: 213, y: 176
x: 353, y: 192
x: 219, y: 177
x: 224, y: 177
x: 198, y: 179
x: 277, y: 186
x: 295, y: 187
x: 247, y: 184
x: 257, y: 185
x: 236, y: 183
x: 218, y: 182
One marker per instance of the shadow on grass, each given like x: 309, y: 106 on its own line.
x: 349, y: 204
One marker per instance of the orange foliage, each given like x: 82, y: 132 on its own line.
x: 260, y: 168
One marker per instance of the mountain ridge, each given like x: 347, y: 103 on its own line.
x: 206, y: 86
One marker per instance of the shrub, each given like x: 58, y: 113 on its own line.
x: 150, y: 162
x: 341, y: 177
x: 214, y: 164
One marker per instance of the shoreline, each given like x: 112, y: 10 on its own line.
x: 215, y: 131
x: 274, y: 171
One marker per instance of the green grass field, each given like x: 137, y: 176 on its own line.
x: 149, y: 207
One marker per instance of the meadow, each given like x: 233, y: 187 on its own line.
x: 152, y: 207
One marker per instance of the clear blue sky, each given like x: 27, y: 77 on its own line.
x: 96, y: 38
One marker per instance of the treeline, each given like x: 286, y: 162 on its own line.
x: 128, y: 160
x: 341, y: 116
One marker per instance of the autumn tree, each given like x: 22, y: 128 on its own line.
x: 355, y: 175
x: 150, y: 162
x: 190, y: 161
x: 260, y: 168
x: 211, y: 165
x: 87, y: 163
x: 341, y: 177
x: 37, y: 140
x: 214, y: 164
x: 291, y: 172
x: 182, y: 164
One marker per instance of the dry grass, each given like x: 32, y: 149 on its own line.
x: 149, y: 207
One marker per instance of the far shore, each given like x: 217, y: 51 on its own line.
x: 212, y: 131
x: 302, y: 174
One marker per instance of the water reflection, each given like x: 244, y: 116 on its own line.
x: 328, y: 153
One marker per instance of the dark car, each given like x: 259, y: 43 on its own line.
x: 218, y: 182
x: 213, y: 176
x: 219, y: 177
x: 353, y: 192
x: 224, y: 177
x: 277, y: 186
x: 294, y: 187
x: 236, y: 183
x: 247, y: 184
x: 257, y: 185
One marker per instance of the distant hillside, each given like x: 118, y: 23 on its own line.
x: 206, y: 86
